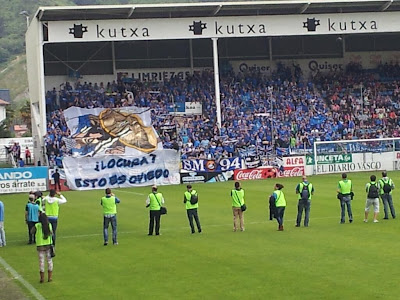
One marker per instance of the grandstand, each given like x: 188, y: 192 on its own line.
x: 270, y: 83
x: 249, y: 90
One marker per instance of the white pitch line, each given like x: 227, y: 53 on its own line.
x: 140, y: 194
x: 18, y: 277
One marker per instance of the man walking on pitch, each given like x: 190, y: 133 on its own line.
x: 109, y: 203
x: 345, y: 195
x: 237, y: 196
x: 372, y: 189
x: 305, y: 190
x: 52, y: 204
x: 386, y: 187
x: 154, y: 202
x: 191, y: 199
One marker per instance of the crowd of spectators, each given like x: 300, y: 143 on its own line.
x: 285, y: 111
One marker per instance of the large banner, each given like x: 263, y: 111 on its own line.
x: 160, y: 167
x: 99, y: 131
x: 221, y: 27
x: 355, y: 162
x: 204, y: 165
x: 23, y: 180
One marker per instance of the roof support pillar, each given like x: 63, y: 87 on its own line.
x: 113, y: 59
x: 216, y: 81
x: 191, y: 56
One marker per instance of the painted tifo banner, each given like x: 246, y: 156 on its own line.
x: 160, y: 167
x: 204, y: 165
x: 23, y: 180
x: 99, y: 131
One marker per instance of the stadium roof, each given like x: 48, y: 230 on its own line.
x: 209, y: 9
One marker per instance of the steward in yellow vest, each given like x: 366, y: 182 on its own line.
x: 154, y: 201
x: 109, y: 203
x: 191, y: 200
x: 280, y: 204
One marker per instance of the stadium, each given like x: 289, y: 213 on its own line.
x: 133, y: 96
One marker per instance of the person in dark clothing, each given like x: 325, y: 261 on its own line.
x: 56, y: 177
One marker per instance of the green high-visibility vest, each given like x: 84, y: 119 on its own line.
x: 301, y: 186
x: 109, y: 206
x: 237, y: 197
x: 280, y: 199
x: 154, y: 204
x: 188, y: 196
x: 345, y: 186
x: 52, y: 208
x: 38, y: 201
x: 40, y: 241
x: 382, y: 183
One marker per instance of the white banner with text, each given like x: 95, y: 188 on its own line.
x: 160, y: 167
x: 360, y: 162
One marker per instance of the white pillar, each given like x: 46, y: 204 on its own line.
x: 216, y: 82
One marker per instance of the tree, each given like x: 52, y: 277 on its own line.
x: 4, y: 130
x: 25, y: 112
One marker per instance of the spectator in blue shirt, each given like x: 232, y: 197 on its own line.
x: 2, y: 231
x: 31, y: 217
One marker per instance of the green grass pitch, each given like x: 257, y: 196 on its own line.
x: 327, y: 260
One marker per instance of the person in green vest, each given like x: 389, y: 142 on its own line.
x: 237, y: 195
x: 109, y: 203
x: 292, y: 141
x: 304, y: 190
x: 280, y: 204
x: 386, y: 187
x: 43, y: 236
x: 39, y: 201
x: 154, y: 201
x: 345, y: 195
x: 51, y: 206
x: 190, y: 199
